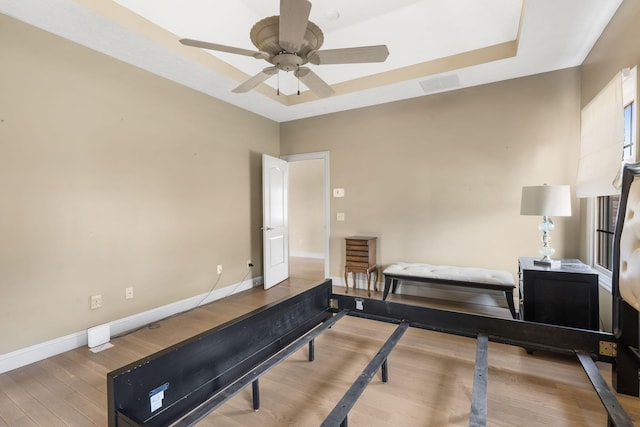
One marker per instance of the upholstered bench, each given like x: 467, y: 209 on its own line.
x: 477, y: 278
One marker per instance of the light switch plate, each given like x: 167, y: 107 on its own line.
x: 338, y: 192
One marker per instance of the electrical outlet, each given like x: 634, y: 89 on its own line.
x: 128, y: 292
x: 249, y: 263
x: 219, y: 268
x: 96, y: 301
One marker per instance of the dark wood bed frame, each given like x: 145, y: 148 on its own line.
x: 183, y: 383
x: 187, y: 381
x: 625, y: 317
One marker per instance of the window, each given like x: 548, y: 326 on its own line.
x: 629, y: 134
x: 607, y: 206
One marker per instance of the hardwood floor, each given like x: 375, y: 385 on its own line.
x: 430, y: 375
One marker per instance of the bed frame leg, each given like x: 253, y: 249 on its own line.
x: 512, y: 307
x: 385, y: 371
x: 625, y: 369
x: 344, y: 423
x: 255, y: 388
x: 312, y: 350
x: 625, y: 372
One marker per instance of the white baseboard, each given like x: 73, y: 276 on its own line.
x: 34, y: 353
x: 301, y: 254
x: 37, y: 352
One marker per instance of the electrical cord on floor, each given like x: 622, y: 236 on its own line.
x: 214, y: 285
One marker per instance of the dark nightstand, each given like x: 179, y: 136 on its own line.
x: 565, y: 296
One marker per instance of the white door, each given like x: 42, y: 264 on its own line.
x: 275, y: 221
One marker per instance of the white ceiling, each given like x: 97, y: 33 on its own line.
x: 434, y: 45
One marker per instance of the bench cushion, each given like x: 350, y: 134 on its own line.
x: 448, y: 272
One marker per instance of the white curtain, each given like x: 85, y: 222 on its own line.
x: 601, y: 142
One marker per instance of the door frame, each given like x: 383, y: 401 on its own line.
x: 324, y: 155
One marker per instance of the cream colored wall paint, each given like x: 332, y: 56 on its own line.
x: 616, y: 49
x: 113, y: 177
x: 306, y: 207
x: 98, y: 191
x: 438, y: 178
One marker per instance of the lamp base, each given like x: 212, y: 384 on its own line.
x: 547, y: 262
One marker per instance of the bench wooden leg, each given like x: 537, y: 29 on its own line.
x: 387, y: 285
x: 512, y: 307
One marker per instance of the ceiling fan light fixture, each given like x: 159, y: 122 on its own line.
x: 287, y: 61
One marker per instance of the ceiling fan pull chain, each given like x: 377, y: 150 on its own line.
x: 278, y: 83
x: 298, y: 76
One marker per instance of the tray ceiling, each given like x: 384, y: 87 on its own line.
x: 434, y: 45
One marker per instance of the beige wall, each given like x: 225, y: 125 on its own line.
x: 306, y: 208
x: 112, y: 177
x: 438, y: 178
x: 617, y: 48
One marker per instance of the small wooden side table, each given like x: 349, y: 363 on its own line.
x: 361, y: 258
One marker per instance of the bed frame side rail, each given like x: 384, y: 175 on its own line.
x: 160, y: 389
x: 530, y: 335
x: 587, y: 345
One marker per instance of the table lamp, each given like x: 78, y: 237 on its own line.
x: 546, y: 201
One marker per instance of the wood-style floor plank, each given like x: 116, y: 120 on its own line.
x: 17, y: 390
x: 11, y: 414
x: 430, y: 375
x: 54, y: 399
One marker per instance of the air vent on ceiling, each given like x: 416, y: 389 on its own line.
x: 440, y: 83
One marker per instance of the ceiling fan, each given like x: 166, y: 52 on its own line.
x: 288, y: 42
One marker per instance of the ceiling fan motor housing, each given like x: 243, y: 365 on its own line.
x: 265, y: 37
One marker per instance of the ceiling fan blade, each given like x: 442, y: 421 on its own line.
x: 313, y: 82
x: 256, y: 80
x: 294, y: 15
x: 351, y: 55
x: 223, y: 48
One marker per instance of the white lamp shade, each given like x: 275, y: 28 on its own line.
x: 546, y: 200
